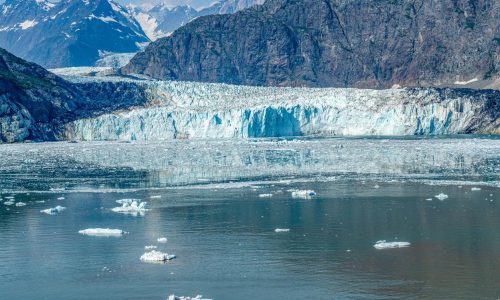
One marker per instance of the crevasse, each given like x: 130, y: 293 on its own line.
x: 182, y: 110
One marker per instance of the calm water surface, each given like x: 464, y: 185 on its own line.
x: 223, y: 234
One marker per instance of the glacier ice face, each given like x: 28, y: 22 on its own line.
x: 184, y: 110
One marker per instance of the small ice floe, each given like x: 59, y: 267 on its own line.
x: 376, y: 186
x: 428, y: 199
x: 9, y: 197
x: 174, y: 297
x: 131, y: 207
x: 475, y: 189
x: 150, y: 247
x: 20, y: 204
x: 40, y: 201
x: 156, y: 256
x: 8, y: 203
x: 104, y: 232
x: 199, y: 297
x: 279, y: 230
x: 155, y: 197
x: 61, y: 198
x: 53, y: 211
x: 265, y: 195
x: 304, y: 194
x: 441, y: 196
x: 390, y: 245
x: 162, y: 240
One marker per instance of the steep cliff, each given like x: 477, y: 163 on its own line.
x: 334, y: 43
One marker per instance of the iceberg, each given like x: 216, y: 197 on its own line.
x: 53, y: 211
x: 390, y: 245
x: 475, y: 189
x: 102, y: 232
x: 441, y: 196
x: 279, y: 230
x: 150, y: 247
x: 131, y: 207
x: 61, y: 198
x: 20, y: 204
x: 8, y: 203
x: 156, y: 256
x: 265, y: 195
x: 199, y: 297
x: 303, y: 194
x: 162, y: 240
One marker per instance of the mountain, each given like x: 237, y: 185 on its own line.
x: 35, y: 103
x: 68, y: 33
x: 334, y: 43
x: 161, y: 19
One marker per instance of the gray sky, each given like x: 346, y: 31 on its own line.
x: 193, y: 3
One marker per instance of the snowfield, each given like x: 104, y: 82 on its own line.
x: 187, y: 110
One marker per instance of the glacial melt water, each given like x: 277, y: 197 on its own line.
x: 204, y: 196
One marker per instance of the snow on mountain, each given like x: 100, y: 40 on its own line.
x: 161, y: 20
x: 69, y: 32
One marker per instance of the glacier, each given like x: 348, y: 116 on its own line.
x: 189, y: 110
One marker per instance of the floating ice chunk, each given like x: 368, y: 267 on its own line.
x: 155, y: 197
x: 278, y: 230
x: 8, y: 203
x: 53, y: 211
x: 265, y: 195
x: 390, y: 245
x: 441, y: 196
x: 304, y: 194
x: 156, y: 256
x: 61, y: 198
x: 475, y: 189
x: 131, y: 206
x: 20, y: 204
x: 428, y: 199
x: 40, y: 201
x: 150, y: 247
x: 376, y: 186
x: 105, y: 232
x: 9, y: 197
x: 162, y: 240
x: 199, y: 297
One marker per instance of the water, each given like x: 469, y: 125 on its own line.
x: 223, y: 233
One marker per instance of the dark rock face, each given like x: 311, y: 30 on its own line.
x: 35, y: 104
x: 69, y: 33
x: 334, y: 43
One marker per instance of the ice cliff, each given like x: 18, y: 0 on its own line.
x: 184, y: 110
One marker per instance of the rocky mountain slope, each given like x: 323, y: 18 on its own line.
x: 334, y: 43
x: 69, y: 32
x: 161, y: 20
x: 35, y: 104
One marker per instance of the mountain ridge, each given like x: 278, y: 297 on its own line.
x: 333, y: 43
